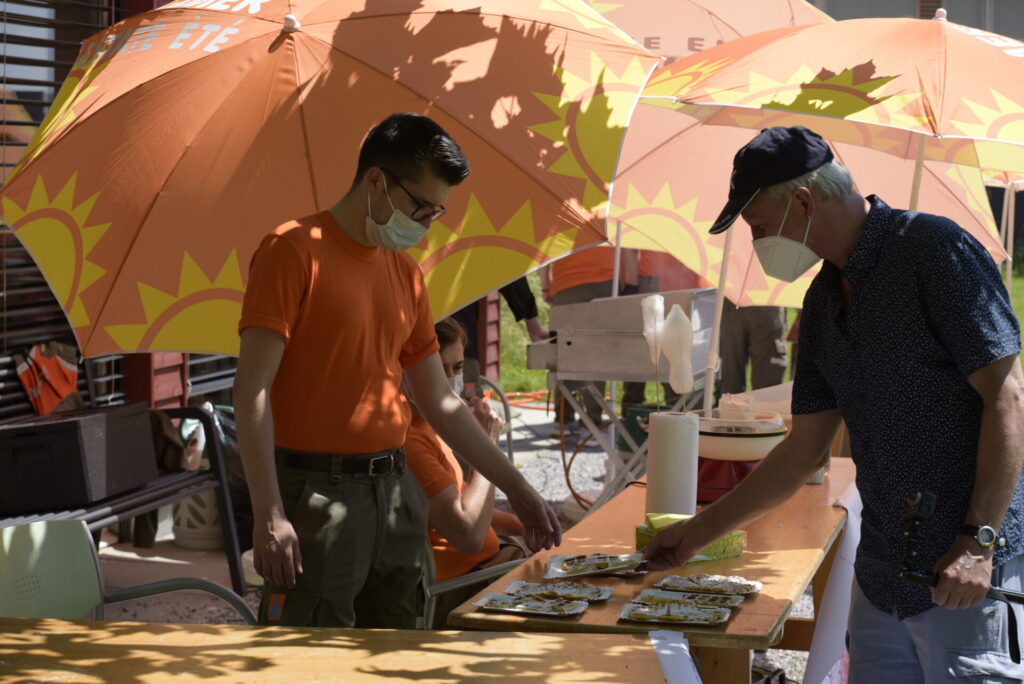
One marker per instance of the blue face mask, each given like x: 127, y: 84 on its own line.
x: 457, y: 384
x: 399, y: 233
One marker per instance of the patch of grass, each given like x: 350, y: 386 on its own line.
x: 515, y: 376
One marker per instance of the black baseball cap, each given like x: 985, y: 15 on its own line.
x: 776, y: 155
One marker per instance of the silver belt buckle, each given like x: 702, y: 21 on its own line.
x: 375, y: 459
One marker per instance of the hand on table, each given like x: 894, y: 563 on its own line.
x: 673, y: 546
x: 964, y: 574
x: 276, y: 554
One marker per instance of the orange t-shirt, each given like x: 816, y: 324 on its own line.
x: 435, y: 467
x: 352, y: 317
x: 672, y: 274
x: 590, y: 265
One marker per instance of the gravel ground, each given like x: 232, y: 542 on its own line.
x: 538, y: 454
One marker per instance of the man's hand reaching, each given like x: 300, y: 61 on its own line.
x: 673, y: 546
x: 542, y: 529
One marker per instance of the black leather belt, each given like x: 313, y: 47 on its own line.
x: 371, y: 465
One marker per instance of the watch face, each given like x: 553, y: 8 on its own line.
x: 986, y: 536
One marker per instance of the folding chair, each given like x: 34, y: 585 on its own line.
x: 50, y: 569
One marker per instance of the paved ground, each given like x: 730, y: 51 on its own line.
x: 537, y: 452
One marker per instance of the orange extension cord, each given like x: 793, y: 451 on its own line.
x: 541, y: 401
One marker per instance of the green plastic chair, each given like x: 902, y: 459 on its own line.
x: 49, y: 569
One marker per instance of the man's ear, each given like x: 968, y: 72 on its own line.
x: 805, y: 198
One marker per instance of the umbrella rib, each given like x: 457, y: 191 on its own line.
x: 657, y: 148
x: 305, y: 129
x: 117, y: 274
x: 713, y: 15
x: 441, y: 109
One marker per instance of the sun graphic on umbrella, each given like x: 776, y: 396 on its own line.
x: 510, y: 250
x: 592, y: 112
x: 665, y: 224
x: 201, y: 316
x: 1001, y: 119
x: 57, y: 234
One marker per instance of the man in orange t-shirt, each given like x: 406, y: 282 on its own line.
x: 334, y: 315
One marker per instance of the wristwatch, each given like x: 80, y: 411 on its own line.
x: 983, y: 534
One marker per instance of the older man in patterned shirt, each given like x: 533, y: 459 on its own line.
x: 908, y: 335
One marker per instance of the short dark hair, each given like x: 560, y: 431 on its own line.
x: 407, y: 145
x: 450, y: 331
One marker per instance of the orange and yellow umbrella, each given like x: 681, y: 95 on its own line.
x: 186, y: 133
x: 666, y: 190
x: 670, y: 200
x: 673, y: 179
x: 922, y: 89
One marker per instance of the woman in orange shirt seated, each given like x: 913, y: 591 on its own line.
x: 463, y: 524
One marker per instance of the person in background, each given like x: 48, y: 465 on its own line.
x: 334, y: 316
x: 754, y: 336
x: 521, y: 301
x: 464, y: 526
x: 908, y: 335
x: 574, y: 279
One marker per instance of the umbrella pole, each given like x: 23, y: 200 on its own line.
x: 716, y: 327
x: 616, y: 270
x: 1010, y: 214
x: 1004, y: 220
x: 915, y: 189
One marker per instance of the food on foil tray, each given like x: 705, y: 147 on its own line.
x: 593, y: 564
x: 534, y: 606
x: 654, y: 597
x: 715, y: 584
x: 674, y: 614
x: 553, y: 590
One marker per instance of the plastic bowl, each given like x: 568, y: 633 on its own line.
x: 749, y: 438
x: 737, y: 447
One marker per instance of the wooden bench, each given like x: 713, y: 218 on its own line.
x: 166, y: 489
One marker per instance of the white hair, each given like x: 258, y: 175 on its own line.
x: 830, y: 181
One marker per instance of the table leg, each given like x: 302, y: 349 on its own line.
x: 724, y: 665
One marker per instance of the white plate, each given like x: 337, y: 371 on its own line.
x: 532, y: 606
x: 674, y: 614
x: 575, y: 591
x: 714, y: 584
x: 657, y: 597
x: 591, y: 564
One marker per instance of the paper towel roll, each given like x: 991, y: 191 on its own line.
x: 672, y: 463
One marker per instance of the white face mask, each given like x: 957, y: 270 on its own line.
x: 457, y: 385
x: 782, y: 257
x: 399, y: 233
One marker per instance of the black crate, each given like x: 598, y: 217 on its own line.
x: 66, y: 460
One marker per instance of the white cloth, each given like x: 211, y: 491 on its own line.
x: 674, y: 656
x: 828, y: 661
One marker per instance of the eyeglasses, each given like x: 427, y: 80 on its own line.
x: 424, y: 210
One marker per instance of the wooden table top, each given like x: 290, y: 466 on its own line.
x: 784, y: 549
x: 84, y: 651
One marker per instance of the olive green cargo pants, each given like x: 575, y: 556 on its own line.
x: 362, y: 541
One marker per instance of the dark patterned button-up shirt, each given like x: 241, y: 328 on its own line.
x: 928, y: 310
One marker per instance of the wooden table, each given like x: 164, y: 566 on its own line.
x: 82, y: 651
x: 785, y: 550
